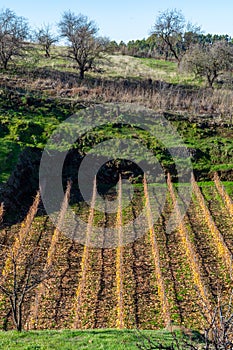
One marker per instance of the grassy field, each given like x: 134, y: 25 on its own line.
x: 117, y: 66
x: 28, y: 120
x: 108, y: 339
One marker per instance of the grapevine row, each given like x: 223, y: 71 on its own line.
x: 56, y: 232
x: 189, y: 250
x: 221, y: 246
x: 119, y: 262
x: 84, y: 262
x: 50, y: 255
x: 23, y: 233
x: 155, y: 254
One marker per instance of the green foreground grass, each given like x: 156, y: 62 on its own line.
x: 77, y: 339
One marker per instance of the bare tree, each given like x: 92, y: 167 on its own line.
x: 85, y: 46
x: 46, y: 38
x: 23, y: 276
x: 209, y: 61
x: 170, y: 28
x: 219, y: 332
x: 24, y: 269
x: 13, y: 32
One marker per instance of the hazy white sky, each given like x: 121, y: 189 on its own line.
x: 128, y: 19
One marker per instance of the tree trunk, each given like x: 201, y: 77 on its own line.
x: 81, y: 73
x: 210, y: 81
x: 17, y: 314
x: 19, y: 326
x: 173, y: 51
x: 5, y: 64
x: 47, y: 53
x: 19, y: 318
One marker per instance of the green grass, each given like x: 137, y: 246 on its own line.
x: 109, y: 339
x: 123, y: 66
x: 169, y: 67
x: 223, y: 167
x: 113, y: 66
x: 24, y: 124
x: 228, y: 185
x: 9, y: 152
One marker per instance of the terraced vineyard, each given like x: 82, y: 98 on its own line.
x: 158, y: 278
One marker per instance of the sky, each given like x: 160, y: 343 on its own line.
x: 127, y: 19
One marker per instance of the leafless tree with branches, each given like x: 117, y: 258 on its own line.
x: 24, y: 269
x: 46, y: 38
x: 13, y: 32
x: 172, y: 30
x: 209, y: 61
x: 85, y: 46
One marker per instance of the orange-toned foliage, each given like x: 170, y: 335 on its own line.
x: 221, y: 247
x: 155, y: 254
x: 190, y: 251
x: 119, y: 262
x: 84, y: 262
